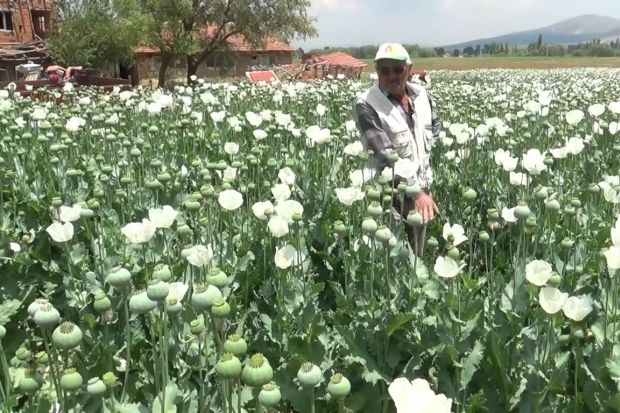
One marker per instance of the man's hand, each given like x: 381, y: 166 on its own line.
x: 425, y: 206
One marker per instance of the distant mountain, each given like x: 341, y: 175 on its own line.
x: 578, y: 29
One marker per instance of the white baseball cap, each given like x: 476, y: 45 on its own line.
x: 393, y: 51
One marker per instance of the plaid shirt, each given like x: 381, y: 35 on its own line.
x: 374, y: 137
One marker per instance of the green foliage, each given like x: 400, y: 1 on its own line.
x: 91, y: 36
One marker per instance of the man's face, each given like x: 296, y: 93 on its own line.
x: 393, y: 75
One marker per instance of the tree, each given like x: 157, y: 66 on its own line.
x: 477, y: 50
x: 539, y: 41
x: 468, y: 51
x: 195, y: 29
x: 456, y: 53
x: 89, y: 34
x: 440, y: 51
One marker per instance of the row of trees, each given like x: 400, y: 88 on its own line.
x: 97, y: 32
x: 594, y: 48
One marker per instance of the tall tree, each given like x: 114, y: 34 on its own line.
x: 539, y: 41
x: 88, y: 33
x: 195, y: 29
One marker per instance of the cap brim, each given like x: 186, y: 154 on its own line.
x: 399, y: 58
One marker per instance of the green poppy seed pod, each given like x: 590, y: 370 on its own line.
x: 393, y: 157
x: 569, y: 211
x: 554, y: 280
x: 102, y: 303
x: 369, y: 225
x: 413, y: 190
x: 548, y: 160
x: 454, y: 253
x: 522, y: 211
x: 187, y: 250
x: 162, y: 272
x: 484, y: 236
x: 269, y: 395
x: 152, y: 184
x: 56, y: 202
x: 47, y: 316
x: 197, y: 327
x: 531, y: 222
x: 363, y: 156
x: 23, y: 354
x: 297, y: 217
x: 2, y: 332
x: 141, y: 304
x: 217, y: 277
x: 30, y: 382
x: 42, y: 358
x: 594, y: 189
x: 414, y: 219
x: 339, y: 227
x: 387, y: 191
x: 309, y: 375
x: 432, y: 242
x: 382, y: 181
x: 552, y: 206
x: 204, y: 295
x: 257, y: 372
x: 87, y: 213
x: 119, y: 277
x: 542, y: 194
x: 339, y: 387
x: 575, y: 203
x: 220, y: 308
x: 383, y: 234
x: 35, y: 305
x: 192, y: 205
x: 567, y: 244
x: 71, y: 380
x: 236, y: 345
x: 96, y: 387
x: 157, y: 291
x: 163, y: 177
x: 373, y: 194
x: 564, y: 339
x: 401, y: 188
x: 67, y: 336
x: 469, y: 195
x: 228, y: 366
x: 374, y: 209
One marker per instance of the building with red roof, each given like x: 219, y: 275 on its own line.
x: 234, y: 62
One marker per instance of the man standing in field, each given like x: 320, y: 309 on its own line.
x: 395, y: 115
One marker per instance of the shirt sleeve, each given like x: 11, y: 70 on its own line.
x: 435, y: 121
x: 372, y: 135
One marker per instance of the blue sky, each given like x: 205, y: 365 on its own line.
x: 437, y: 22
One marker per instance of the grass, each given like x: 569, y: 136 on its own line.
x: 510, y: 62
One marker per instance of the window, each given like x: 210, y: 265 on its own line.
x: 41, y: 24
x: 263, y: 60
x: 6, y: 20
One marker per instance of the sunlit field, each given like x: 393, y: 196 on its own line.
x: 227, y: 248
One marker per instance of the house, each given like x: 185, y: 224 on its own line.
x: 24, y: 25
x: 24, y: 21
x: 233, y: 63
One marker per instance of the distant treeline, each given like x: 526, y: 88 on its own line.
x: 593, y: 48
